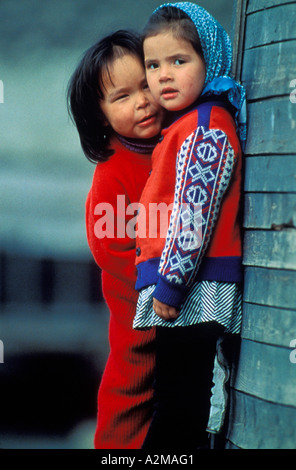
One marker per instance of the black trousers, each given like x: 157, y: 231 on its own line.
x: 182, y: 387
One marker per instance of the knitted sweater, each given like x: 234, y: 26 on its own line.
x: 196, y: 166
x: 125, y: 391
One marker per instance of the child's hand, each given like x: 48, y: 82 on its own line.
x: 164, y: 311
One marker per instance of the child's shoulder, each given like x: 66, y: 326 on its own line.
x: 201, y: 113
x: 184, y: 123
x: 215, y: 113
x: 122, y: 165
x: 111, y: 168
x: 121, y: 158
x: 210, y: 114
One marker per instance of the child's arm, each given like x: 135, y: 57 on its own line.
x: 113, y: 254
x: 204, y: 166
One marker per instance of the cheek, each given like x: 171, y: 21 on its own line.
x: 120, y: 112
x: 191, y: 85
x: 197, y: 82
x: 153, y: 86
x: 122, y: 116
x: 150, y: 97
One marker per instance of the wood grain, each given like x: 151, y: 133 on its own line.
x: 270, y: 25
x: 269, y: 325
x: 266, y: 371
x: 257, y: 424
x: 269, y: 210
x: 273, y: 287
x: 271, y: 127
x: 257, y: 5
x: 270, y: 173
x: 270, y: 249
x: 269, y: 70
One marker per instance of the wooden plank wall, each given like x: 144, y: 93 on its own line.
x: 263, y: 405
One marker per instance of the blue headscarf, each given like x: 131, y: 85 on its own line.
x: 217, y: 52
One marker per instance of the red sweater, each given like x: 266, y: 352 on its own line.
x: 125, y: 393
x: 197, y: 165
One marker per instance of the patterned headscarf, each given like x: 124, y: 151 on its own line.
x: 217, y: 52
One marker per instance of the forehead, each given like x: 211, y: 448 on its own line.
x: 165, y: 41
x: 122, y: 70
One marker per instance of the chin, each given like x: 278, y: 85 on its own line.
x: 173, y: 106
x: 149, y: 133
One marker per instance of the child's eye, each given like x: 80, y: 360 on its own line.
x: 121, y: 97
x: 179, y: 61
x: 151, y: 66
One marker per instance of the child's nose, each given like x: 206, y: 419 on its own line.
x: 164, y: 73
x: 142, y: 99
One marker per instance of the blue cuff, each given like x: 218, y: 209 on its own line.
x: 170, y: 294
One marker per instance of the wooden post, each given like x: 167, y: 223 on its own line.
x: 263, y: 404
x: 238, y: 35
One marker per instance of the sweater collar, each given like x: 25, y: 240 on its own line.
x: 229, y: 92
x: 144, y: 146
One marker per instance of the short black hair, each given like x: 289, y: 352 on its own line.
x: 85, y: 90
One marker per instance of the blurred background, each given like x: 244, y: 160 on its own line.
x: 53, y: 321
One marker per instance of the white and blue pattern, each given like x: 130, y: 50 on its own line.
x: 204, y: 167
x: 205, y: 301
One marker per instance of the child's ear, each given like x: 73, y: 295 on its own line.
x: 104, y: 121
x: 106, y: 125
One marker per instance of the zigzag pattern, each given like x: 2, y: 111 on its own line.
x: 205, y: 301
x: 203, y: 170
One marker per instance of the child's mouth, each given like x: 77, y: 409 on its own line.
x: 169, y: 93
x: 147, y: 121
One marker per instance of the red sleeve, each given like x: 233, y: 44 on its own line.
x: 205, y: 164
x: 106, y: 222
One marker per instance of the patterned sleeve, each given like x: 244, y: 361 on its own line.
x: 204, y: 166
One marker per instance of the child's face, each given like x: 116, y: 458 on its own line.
x: 128, y: 105
x: 175, y: 72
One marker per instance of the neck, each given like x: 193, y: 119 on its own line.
x: 145, y: 146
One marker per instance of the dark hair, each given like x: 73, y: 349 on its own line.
x: 178, y: 22
x: 85, y: 90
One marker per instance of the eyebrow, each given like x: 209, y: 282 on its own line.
x: 171, y: 57
x: 149, y: 61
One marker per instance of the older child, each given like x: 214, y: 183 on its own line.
x: 189, y: 282
x: 117, y: 120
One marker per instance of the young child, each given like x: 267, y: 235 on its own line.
x: 189, y: 282
x: 118, y: 123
